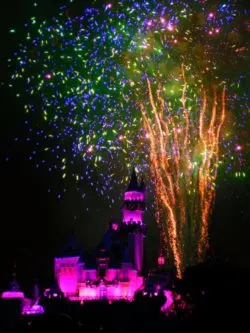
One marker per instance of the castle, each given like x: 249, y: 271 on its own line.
x: 117, y: 274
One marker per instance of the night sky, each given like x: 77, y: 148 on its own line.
x: 35, y: 224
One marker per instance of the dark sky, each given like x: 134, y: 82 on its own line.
x: 35, y: 225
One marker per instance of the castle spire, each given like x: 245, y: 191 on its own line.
x: 133, y: 184
x: 132, y: 211
x: 133, y: 205
x: 13, y: 283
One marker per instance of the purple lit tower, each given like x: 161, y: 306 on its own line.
x: 116, y: 273
x: 132, y: 220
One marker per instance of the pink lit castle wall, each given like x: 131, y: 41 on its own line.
x: 116, y: 274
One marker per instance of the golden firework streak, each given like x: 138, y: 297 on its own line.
x: 179, y: 179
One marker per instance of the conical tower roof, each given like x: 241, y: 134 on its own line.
x: 14, y: 286
x: 133, y: 184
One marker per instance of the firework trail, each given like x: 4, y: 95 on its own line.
x: 185, y: 185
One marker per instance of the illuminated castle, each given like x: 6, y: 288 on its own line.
x: 119, y: 257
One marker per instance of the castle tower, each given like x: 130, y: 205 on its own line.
x: 14, y: 289
x: 102, y: 260
x: 132, y: 219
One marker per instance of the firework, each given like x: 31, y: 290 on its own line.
x: 145, y: 84
x: 184, y: 162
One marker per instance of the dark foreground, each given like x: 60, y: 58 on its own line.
x: 215, y: 298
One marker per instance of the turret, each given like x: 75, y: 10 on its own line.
x: 14, y: 289
x: 67, y: 267
x: 134, y: 202
x: 132, y: 210
x: 102, y: 259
